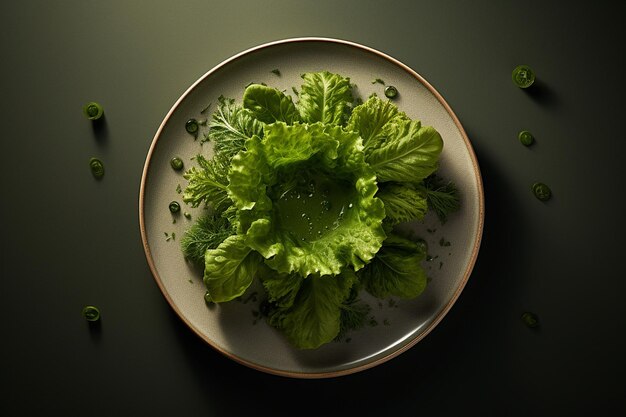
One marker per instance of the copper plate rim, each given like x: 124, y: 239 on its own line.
x: 437, y: 319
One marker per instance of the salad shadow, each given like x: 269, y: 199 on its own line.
x: 437, y: 365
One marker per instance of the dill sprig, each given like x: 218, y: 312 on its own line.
x: 208, y: 183
x: 354, y: 314
x: 206, y: 233
x: 442, y: 197
x: 230, y: 126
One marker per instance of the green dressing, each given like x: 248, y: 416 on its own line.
x: 306, y: 209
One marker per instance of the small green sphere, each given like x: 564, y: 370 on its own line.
x: 530, y: 319
x: 192, y: 126
x: 176, y: 163
x: 523, y: 76
x: 97, y: 168
x: 93, y: 110
x: 541, y: 191
x: 526, y: 138
x: 91, y: 313
x: 174, y: 207
x: 391, y: 91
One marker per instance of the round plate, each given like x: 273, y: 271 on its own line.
x: 234, y: 328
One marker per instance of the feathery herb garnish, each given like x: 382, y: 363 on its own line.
x: 206, y: 233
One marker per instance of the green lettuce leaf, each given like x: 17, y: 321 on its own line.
x: 315, y: 315
x: 229, y: 269
x: 371, y: 121
x: 404, y: 202
x: 409, y: 154
x: 396, y: 270
x: 282, y: 289
x: 269, y: 105
x: 325, y: 98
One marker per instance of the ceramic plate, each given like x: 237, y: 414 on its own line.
x: 233, y: 328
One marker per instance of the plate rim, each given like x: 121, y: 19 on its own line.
x: 446, y: 308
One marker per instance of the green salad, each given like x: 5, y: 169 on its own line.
x: 305, y: 197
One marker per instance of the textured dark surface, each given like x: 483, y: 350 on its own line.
x: 69, y: 240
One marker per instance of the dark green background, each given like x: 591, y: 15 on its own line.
x: 68, y: 240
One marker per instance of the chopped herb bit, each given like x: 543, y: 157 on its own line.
x: 431, y: 231
x: 372, y: 95
x: 190, y: 281
x: 386, y: 322
x: 295, y: 91
x: 372, y: 322
x: 276, y: 72
x: 440, y: 264
x: 174, y: 221
x: 391, y: 91
x: 541, y: 191
x: 179, y: 189
x: 530, y: 319
x: 378, y: 81
x: 93, y: 110
x: 429, y: 258
x: 173, y: 235
x: 392, y: 303
x: 187, y: 215
x: 444, y: 242
x: 204, y: 110
x: 91, y: 313
x: 97, y: 168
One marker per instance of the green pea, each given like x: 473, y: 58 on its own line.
x: 391, y: 91
x: 97, y: 168
x: 93, y: 110
x: 91, y: 313
x: 523, y: 76
x: 541, y: 191
x: 176, y: 163
x: 530, y: 319
x: 174, y: 207
x: 526, y: 138
x: 192, y: 127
